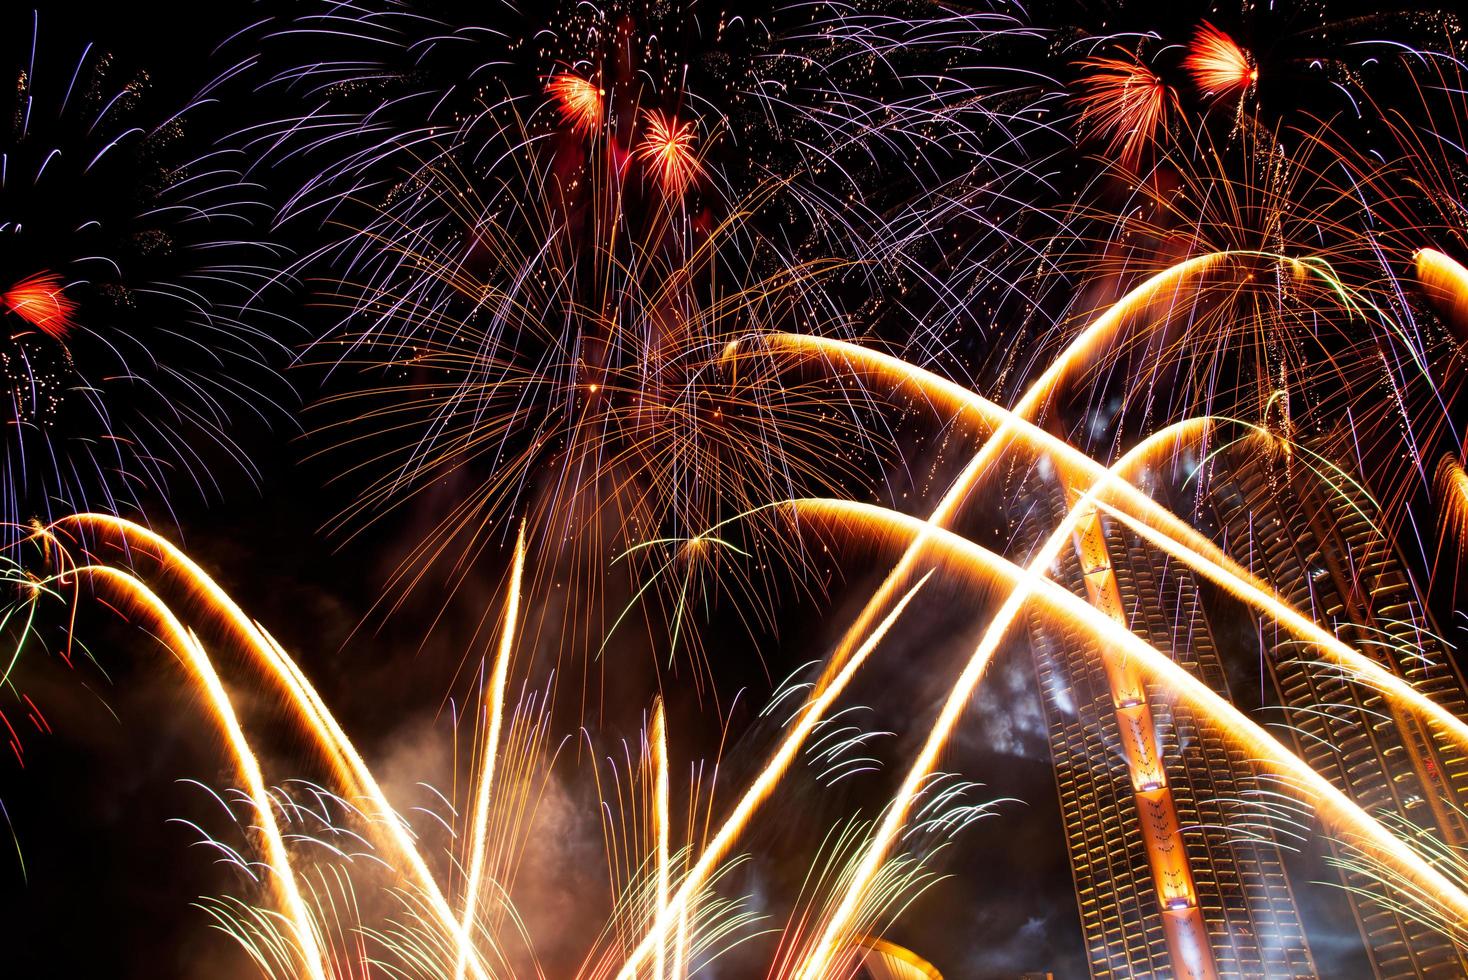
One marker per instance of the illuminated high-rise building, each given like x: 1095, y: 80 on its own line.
x: 1176, y: 870
x: 1172, y: 876
x: 1312, y: 538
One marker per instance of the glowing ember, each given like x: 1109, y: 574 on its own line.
x: 41, y: 301
x: 1218, y: 65
x: 579, y: 101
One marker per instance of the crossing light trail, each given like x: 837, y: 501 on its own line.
x: 1343, y: 817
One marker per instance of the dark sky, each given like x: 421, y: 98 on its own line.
x: 109, y: 871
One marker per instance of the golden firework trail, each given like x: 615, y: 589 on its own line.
x: 1144, y: 515
x: 669, y: 907
x: 489, y: 754
x: 274, y: 663
x: 451, y: 940
x: 658, y: 739
x: 190, y: 652
x: 1353, y: 824
x: 669, y: 902
x: 1162, y: 287
x: 1009, y: 428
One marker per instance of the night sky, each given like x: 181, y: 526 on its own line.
x: 106, y: 804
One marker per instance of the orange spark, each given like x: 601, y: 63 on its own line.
x: 1218, y: 65
x: 1445, y: 281
x: 40, y: 300
x: 1420, y: 878
x: 1125, y: 103
x: 1452, y: 485
x: 667, y: 149
x: 580, y: 102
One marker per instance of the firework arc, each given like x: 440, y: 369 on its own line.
x: 1165, y: 441
x: 948, y: 551
x: 1162, y: 287
x: 191, y: 654
x: 888, y: 961
x: 1148, y: 518
x: 210, y: 601
x: 1010, y: 427
x: 1426, y: 884
x: 274, y: 664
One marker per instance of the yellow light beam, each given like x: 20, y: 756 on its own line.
x: 489, y: 753
x: 1344, y: 816
x: 347, y: 764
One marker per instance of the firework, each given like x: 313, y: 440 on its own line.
x: 859, y: 885
x: 581, y: 103
x: 544, y: 269
x: 42, y: 302
x: 668, y: 150
x: 1219, y: 67
x: 127, y: 275
x: 672, y: 298
x: 1125, y: 103
x: 430, y: 942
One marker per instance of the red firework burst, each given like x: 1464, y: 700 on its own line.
x: 1218, y: 65
x: 41, y: 301
x: 667, y: 149
x: 1124, y: 102
x: 579, y: 101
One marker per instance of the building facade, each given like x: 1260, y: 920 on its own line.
x: 1312, y: 537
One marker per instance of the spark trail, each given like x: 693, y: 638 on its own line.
x: 489, y: 753
x: 1346, y: 818
x: 1163, y: 528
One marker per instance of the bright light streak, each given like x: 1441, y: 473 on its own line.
x: 41, y: 301
x: 1347, y: 819
x: 489, y: 754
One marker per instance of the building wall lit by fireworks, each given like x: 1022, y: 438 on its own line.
x: 1323, y: 553
x: 1239, y: 891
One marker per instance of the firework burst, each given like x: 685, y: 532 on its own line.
x: 566, y: 259
x: 1126, y: 104
x: 130, y: 351
x: 1220, y: 68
